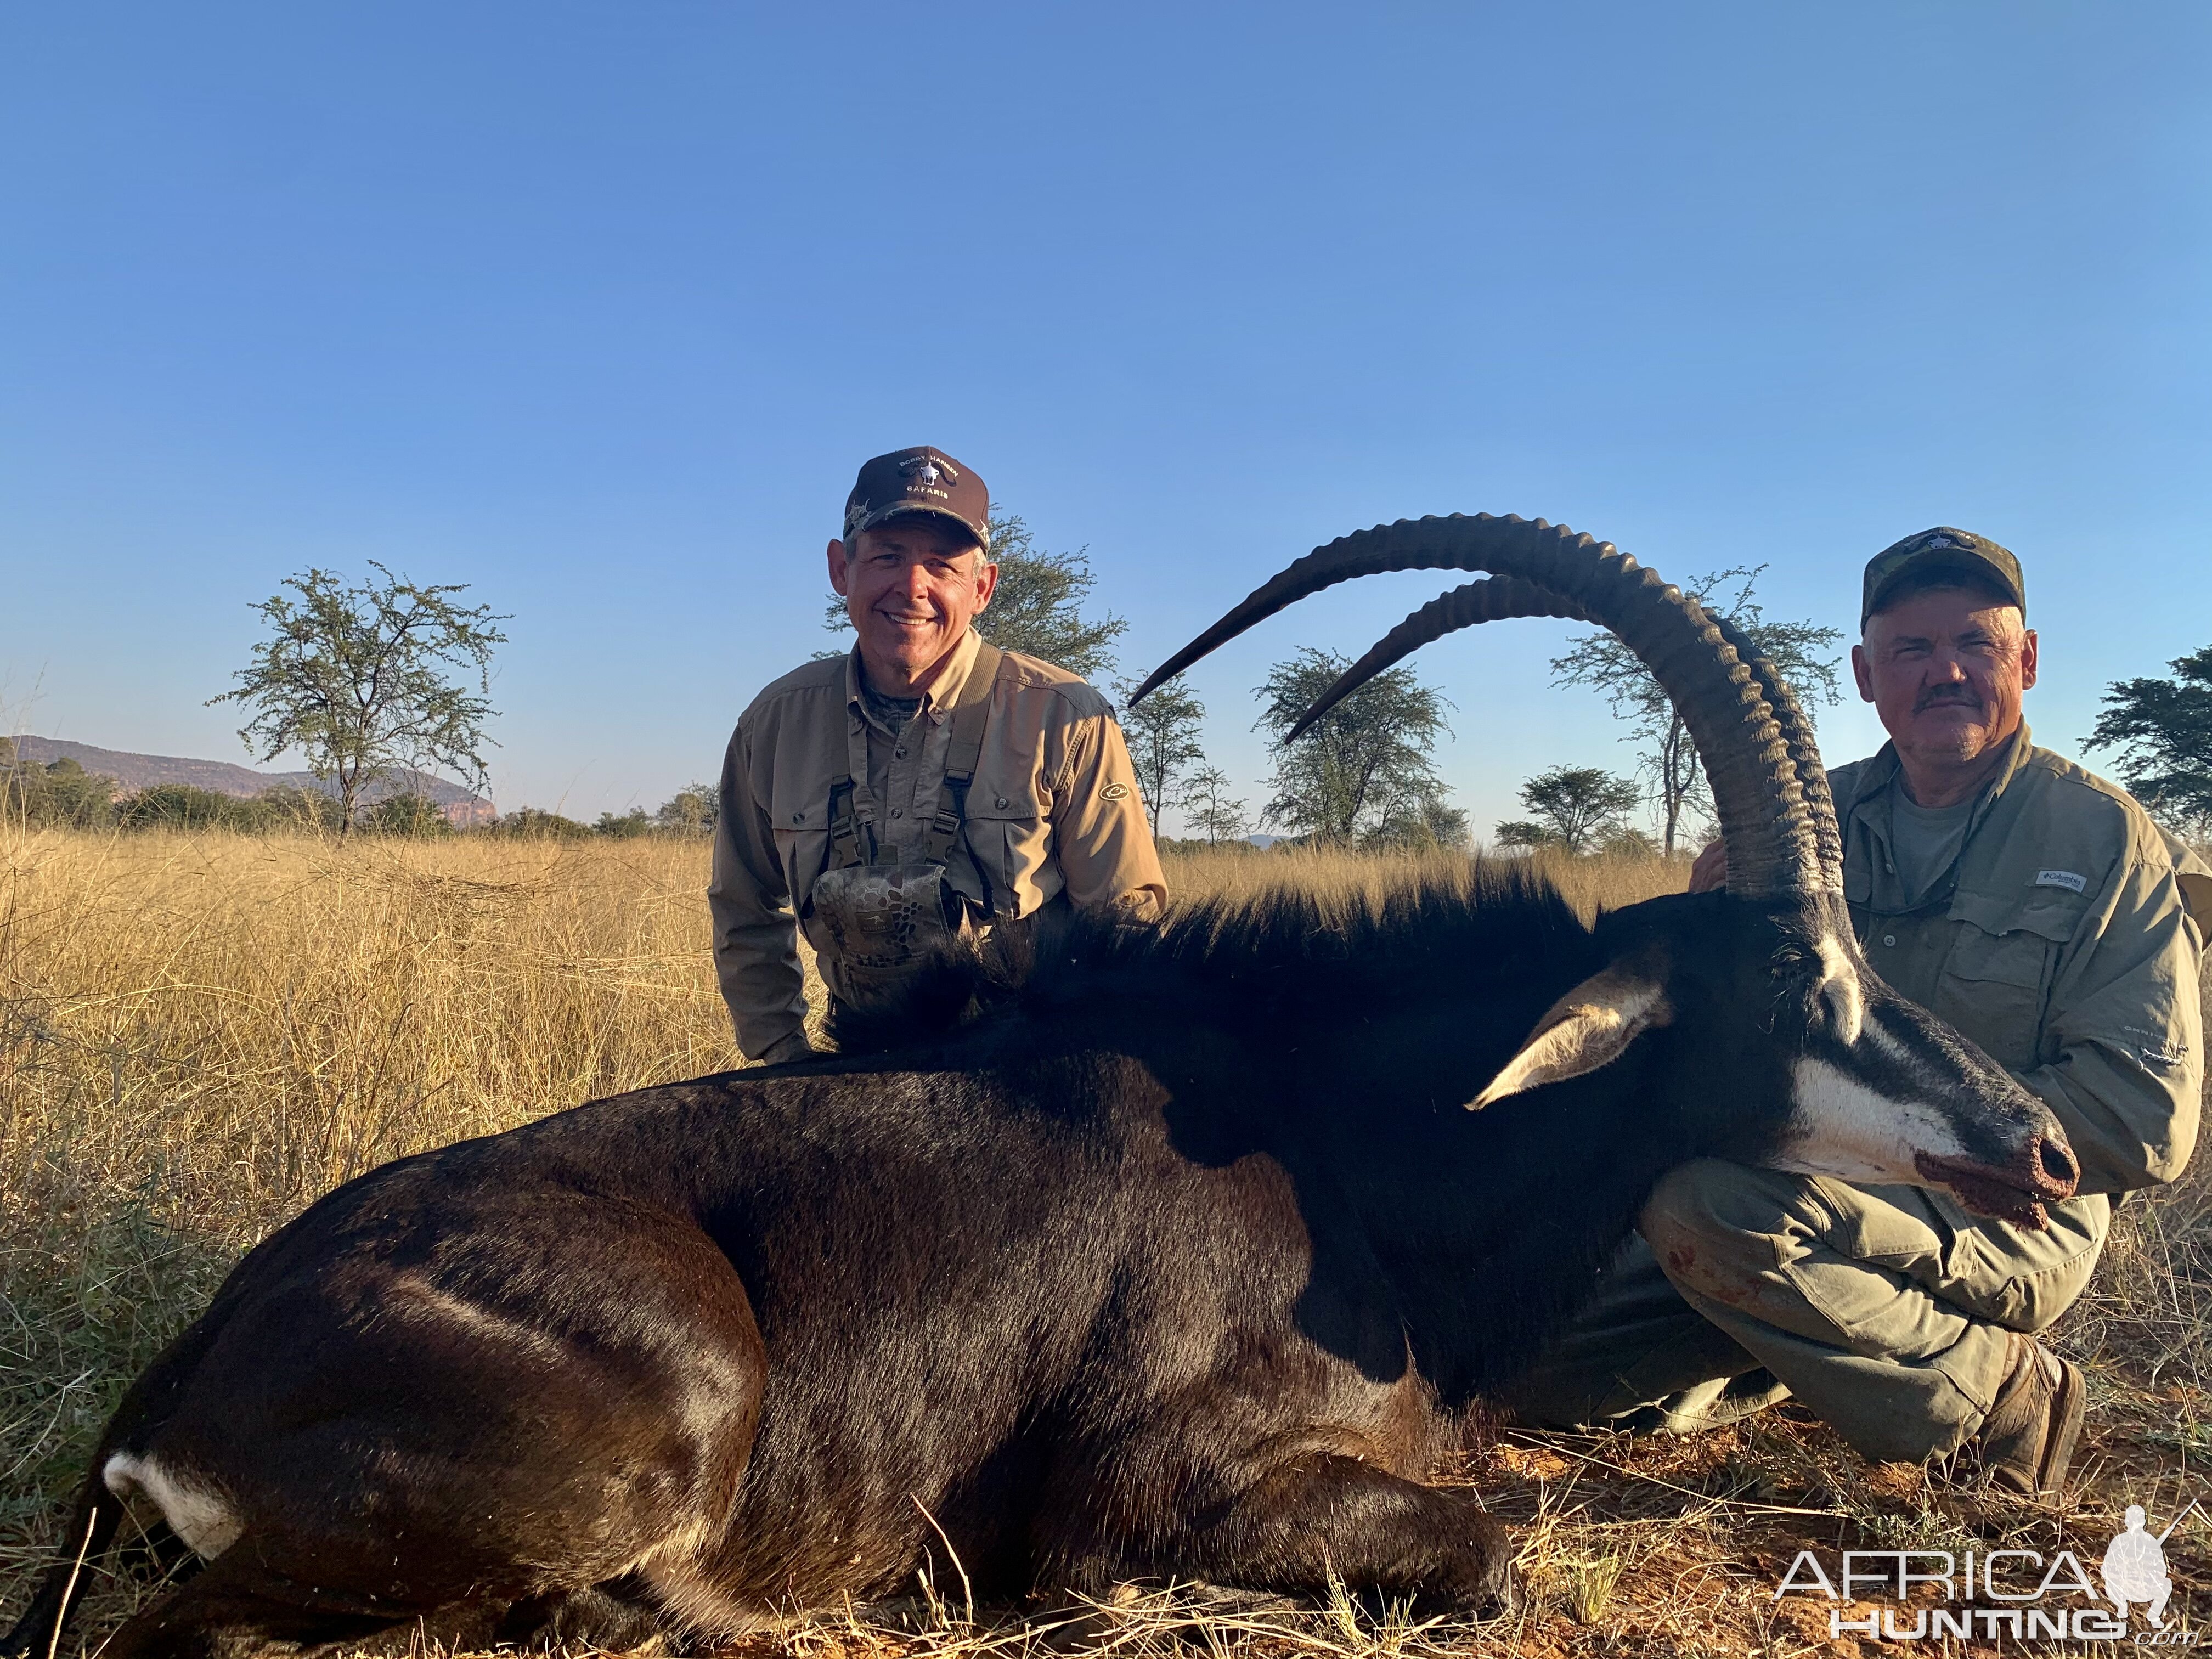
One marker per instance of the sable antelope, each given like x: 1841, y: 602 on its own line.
x: 1175, y: 1254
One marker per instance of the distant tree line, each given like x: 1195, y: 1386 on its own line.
x: 61, y: 794
x: 692, y: 811
x: 361, y: 679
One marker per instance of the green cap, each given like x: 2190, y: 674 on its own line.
x: 1939, y: 552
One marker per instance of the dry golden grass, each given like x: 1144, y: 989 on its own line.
x: 200, y: 1034
x: 1346, y: 878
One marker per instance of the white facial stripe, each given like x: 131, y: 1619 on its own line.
x: 1842, y: 1127
x: 203, y: 1519
x: 1884, y: 1039
x: 1840, y: 984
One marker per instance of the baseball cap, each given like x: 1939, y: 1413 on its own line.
x: 920, y: 480
x: 1942, y: 551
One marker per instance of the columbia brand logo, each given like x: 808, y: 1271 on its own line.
x: 2066, y: 878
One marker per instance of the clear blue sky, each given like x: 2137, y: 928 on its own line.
x: 597, y: 308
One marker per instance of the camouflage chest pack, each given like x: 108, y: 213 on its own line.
x: 886, y: 909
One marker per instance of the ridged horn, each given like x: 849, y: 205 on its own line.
x: 1494, y: 598
x: 1804, y: 753
x: 1774, y: 846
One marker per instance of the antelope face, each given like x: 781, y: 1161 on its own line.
x: 1882, y: 1090
x: 1783, y: 1049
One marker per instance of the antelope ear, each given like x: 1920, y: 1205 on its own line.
x: 1590, y: 1026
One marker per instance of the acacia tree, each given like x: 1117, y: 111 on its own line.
x: 2163, y: 731
x: 360, y: 680
x: 1362, y: 771
x: 691, y: 810
x: 1417, y: 823
x: 1162, y: 736
x: 1577, y: 809
x: 1803, y: 653
x: 1036, y: 607
x: 1212, y: 812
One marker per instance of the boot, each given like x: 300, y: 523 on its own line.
x: 2026, y: 1440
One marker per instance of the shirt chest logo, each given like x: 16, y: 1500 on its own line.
x: 2066, y: 878
x: 1114, y: 792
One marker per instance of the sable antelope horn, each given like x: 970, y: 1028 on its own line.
x: 1495, y: 599
x: 1778, y: 838
x: 1804, y: 753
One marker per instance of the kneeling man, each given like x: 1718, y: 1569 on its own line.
x: 927, y: 786
x: 2037, y: 908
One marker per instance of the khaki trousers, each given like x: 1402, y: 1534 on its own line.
x: 1886, y: 1309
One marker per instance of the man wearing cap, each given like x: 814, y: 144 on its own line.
x: 2038, y: 909
x: 924, y: 787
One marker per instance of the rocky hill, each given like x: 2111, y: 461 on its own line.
x: 132, y: 773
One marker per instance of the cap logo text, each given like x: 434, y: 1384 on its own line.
x: 927, y: 470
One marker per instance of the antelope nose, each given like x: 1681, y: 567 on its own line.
x: 2054, y: 1164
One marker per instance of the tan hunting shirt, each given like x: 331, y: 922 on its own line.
x: 1054, y: 809
x: 2064, y: 940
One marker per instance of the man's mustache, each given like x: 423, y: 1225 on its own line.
x: 1936, y: 697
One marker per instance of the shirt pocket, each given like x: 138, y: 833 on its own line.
x: 802, y: 844
x: 1992, y: 988
x: 1011, y: 839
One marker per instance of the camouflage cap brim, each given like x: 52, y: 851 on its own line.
x: 1940, y: 552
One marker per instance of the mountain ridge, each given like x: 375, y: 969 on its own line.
x: 133, y: 772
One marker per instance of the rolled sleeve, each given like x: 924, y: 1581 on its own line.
x: 756, y: 933
x: 1101, y: 839
x: 2125, y: 1026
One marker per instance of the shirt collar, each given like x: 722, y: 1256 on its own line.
x: 1874, y: 782
x: 937, y: 702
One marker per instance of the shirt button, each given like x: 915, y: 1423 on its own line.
x: 799, y: 818
x: 898, y: 754
x: 1001, y: 800
x: 898, y: 812
x: 1889, y: 938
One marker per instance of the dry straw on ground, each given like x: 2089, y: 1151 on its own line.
x: 199, y: 1034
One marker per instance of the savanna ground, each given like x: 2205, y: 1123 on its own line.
x: 200, y: 1034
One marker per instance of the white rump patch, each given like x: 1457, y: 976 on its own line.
x: 203, y: 1518
x: 1842, y: 1127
